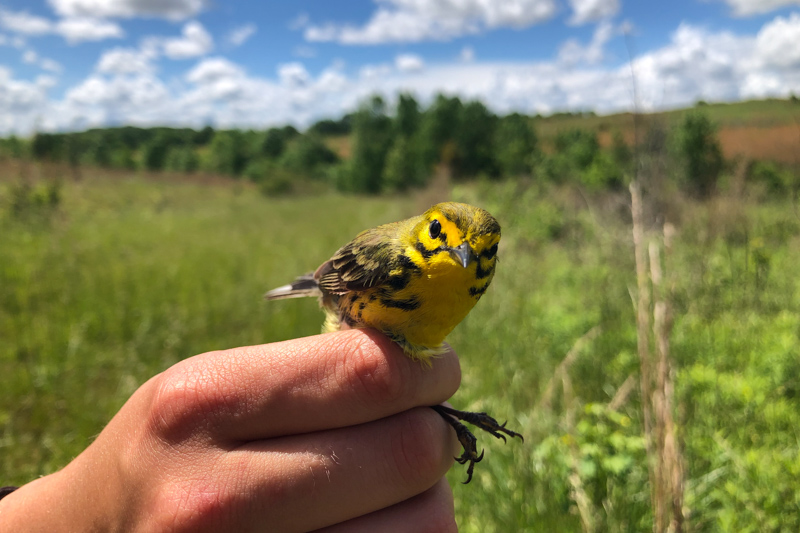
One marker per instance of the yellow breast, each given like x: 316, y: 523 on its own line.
x: 419, y: 311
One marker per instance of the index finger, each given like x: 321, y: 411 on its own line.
x: 310, y: 384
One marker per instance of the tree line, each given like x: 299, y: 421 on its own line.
x: 388, y: 150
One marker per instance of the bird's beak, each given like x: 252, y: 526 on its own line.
x: 462, y: 254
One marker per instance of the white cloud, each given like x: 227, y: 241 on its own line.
x: 372, y: 72
x: 422, y: 20
x: 778, y: 42
x: 32, y: 58
x: 214, y: 69
x: 100, y: 100
x: 45, y: 81
x: 467, y: 54
x: 584, y: 11
x: 572, y: 52
x: 239, y: 35
x: 73, y: 29
x: 696, y: 63
x: 196, y: 41
x: 125, y: 61
x: 168, y: 9
x: 293, y: 74
x: 408, y: 63
x: 22, y: 103
x: 50, y: 64
x: 744, y: 8
x: 25, y: 23
x: 77, y: 29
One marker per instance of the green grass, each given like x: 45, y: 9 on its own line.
x: 127, y: 276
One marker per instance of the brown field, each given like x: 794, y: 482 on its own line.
x: 778, y: 143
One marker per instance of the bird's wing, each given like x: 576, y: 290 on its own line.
x: 361, y: 264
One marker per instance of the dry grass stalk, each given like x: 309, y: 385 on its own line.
x: 643, y: 323
x: 578, y: 494
x: 563, y: 367
x: 669, y: 466
x: 665, y: 465
x: 624, y: 390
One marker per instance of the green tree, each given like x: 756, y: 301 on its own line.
x: 204, y: 136
x: 122, y: 157
x: 435, y: 138
x: 515, y: 144
x: 154, y: 152
x: 407, y: 120
x: 578, y: 146
x: 699, y: 153
x: 371, y: 142
x: 275, y: 141
x: 328, y: 127
x: 226, y: 154
x: 182, y: 159
x: 402, y: 169
x: 46, y: 146
x: 307, y: 154
x: 474, y: 141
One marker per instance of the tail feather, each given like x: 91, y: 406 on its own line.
x: 303, y: 286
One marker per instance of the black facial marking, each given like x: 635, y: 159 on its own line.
x: 490, y: 252
x: 443, y: 237
x: 434, y: 229
x: 361, y: 306
x: 480, y: 273
x: 409, y: 304
x: 427, y: 254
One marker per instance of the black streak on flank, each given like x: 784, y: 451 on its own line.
x: 481, y: 273
x: 409, y: 304
x: 349, y: 320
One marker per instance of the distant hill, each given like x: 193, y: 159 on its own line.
x: 756, y: 129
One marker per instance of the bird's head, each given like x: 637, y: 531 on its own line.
x: 458, y: 234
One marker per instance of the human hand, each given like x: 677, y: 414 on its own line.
x: 325, y: 431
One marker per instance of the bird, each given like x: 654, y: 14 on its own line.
x: 414, y: 280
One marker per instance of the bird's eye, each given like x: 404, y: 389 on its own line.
x: 491, y: 251
x: 435, y: 229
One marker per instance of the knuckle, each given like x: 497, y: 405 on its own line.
x: 375, y: 376
x: 419, y: 450
x: 188, y: 506
x: 187, y: 396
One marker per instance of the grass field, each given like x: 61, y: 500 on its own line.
x: 126, y: 275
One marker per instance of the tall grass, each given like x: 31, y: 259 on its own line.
x: 127, y: 276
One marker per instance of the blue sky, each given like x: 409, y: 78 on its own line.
x: 72, y: 64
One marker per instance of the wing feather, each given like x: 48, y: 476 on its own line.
x: 361, y: 264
